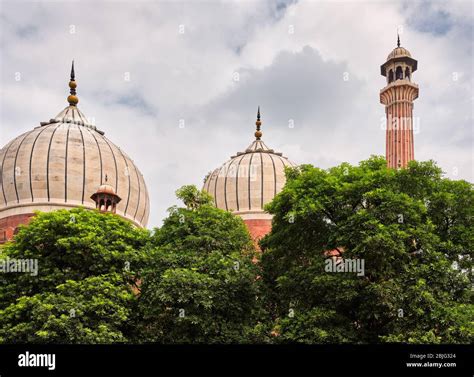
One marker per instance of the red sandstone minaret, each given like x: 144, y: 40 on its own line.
x: 398, y: 97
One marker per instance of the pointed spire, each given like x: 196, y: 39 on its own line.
x: 258, y: 133
x: 73, y: 76
x: 72, y: 98
x: 398, y: 40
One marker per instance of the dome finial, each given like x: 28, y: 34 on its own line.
x: 258, y: 133
x: 72, y: 98
x: 398, y: 40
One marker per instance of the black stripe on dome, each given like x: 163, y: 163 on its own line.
x: 237, y: 181
x: 47, y: 161
x: 146, y: 200
x: 14, y: 167
x: 274, y: 176
x: 225, y: 184
x: 100, y: 154
x: 115, y: 162
x: 282, y: 162
x: 215, y: 185
x: 83, y: 164
x: 139, y: 191
x: 84, y: 121
x: 65, y: 166
x: 3, y: 162
x: 31, y: 159
x: 250, y: 176
x: 128, y: 175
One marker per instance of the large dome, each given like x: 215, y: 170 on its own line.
x: 249, y: 180
x: 61, y: 163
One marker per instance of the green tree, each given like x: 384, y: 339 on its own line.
x: 201, y: 285
x: 409, y: 226
x: 192, y: 197
x: 88, y: 266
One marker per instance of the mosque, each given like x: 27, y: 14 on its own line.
x: 67, y: 162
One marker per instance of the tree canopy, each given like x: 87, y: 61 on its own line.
x: 88, y: 263
x: 201, y: 285
x: 413, y: 230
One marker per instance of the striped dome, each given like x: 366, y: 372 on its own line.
x: 399, y: 52
x: 248, y: 181
x: 61, y: 163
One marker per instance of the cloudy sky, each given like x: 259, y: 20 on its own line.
x: 176, y: 84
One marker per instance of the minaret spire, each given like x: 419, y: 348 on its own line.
x: 72, y: 98
x: 258, y: 123
x: 398, y: 40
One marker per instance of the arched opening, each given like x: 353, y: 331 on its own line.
x: 3, y: 235
x: 407, y: 73
x: 101, y: 204
x: 399, y: 73
x: 390, y: 76
x: 108, y: 205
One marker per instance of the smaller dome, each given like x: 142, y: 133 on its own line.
x: 106, y: 189
x: 398, y: 52
x: 249, y: 180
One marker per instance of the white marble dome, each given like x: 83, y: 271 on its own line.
x: 61, y: 163
x: 249, y: 180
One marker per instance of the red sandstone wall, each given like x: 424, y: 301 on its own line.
x: 258, y: 228
x: 9, y: 224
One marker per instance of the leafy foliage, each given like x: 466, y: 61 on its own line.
x: 87, y: 265
x: 201, y: 286
x: 192, y: 197
x: 408, y: 226
x: 195, y: 280
x: 92, y: 311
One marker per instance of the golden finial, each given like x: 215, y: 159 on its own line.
x: 72, y: 98
x: 258, y: 133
